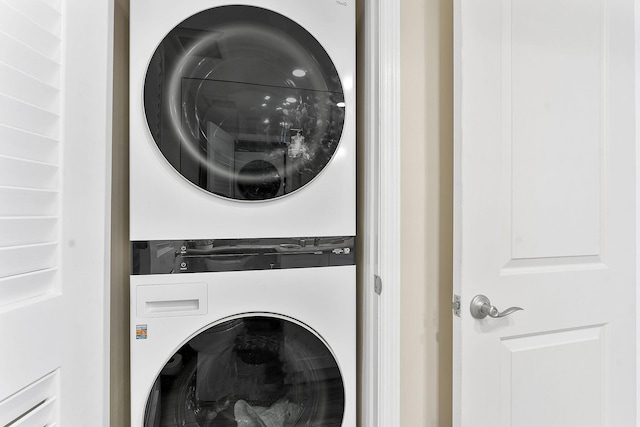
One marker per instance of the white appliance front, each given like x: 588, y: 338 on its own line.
x: 248, y: 348
x: 242, y: 119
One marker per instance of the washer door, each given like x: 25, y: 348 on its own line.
x: 235, y: 80
x: 250, y: 371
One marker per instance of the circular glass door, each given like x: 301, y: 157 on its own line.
x: 251, y: 371
x: 244, y: 103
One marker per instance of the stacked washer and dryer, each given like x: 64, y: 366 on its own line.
x: 242, y: 213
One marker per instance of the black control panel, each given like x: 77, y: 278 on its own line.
x: 215, y: 255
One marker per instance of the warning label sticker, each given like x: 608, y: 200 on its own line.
x: 141, y: 332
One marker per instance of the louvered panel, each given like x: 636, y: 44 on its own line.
x: 42, y: 13
x: 26, y: 145
x: 29, y: 61
x: 25, y: 259
x: 26, y: 173
x: 27, y: 88
x: 30, y: 175
x: 25, y: 202
x: 28, y: 117
x: 21, y: 28
x: 27, y: 230
x: 30, y: 285
x: 35, y: 405
x: 39, y: 416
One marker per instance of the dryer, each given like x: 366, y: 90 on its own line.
x: 242, y: 119
x: 259, y: 342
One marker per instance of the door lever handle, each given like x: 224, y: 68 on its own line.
x: 481, y: 307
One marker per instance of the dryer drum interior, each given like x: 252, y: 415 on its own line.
x: 251, y: 371
x: 244, y: 103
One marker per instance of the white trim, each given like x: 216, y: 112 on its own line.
x: 381, y: 373
x: 86, y: 214
x: 637, y: 178
x: 457, y: 206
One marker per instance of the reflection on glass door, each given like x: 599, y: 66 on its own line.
x: 249, y: 372
x: 244, y: 103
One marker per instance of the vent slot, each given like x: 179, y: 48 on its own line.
x: 34, y: 405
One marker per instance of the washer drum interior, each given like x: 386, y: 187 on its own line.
x: 250, y: 371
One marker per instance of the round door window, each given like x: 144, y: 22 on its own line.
x: 244, y: 103
x: 251, y: 371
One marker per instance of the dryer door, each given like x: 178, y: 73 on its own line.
x: 244, y: 103
x: 249, y: 371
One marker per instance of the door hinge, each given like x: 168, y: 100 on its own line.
x: 377, y: 284
x: 456, y: 306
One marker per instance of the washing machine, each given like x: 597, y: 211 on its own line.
x: 244, y: 333
x: 242, y: 119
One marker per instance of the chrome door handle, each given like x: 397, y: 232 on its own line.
x: 481, y: 307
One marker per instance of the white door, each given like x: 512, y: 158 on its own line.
x: 545, y: 213
x: 31, y: 320
x: 54, y: 136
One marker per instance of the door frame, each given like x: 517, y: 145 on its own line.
x: 380, y: 383
x: 381, y: 213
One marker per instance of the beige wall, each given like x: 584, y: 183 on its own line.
x: 426, y: 144
x: 119, y: 396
